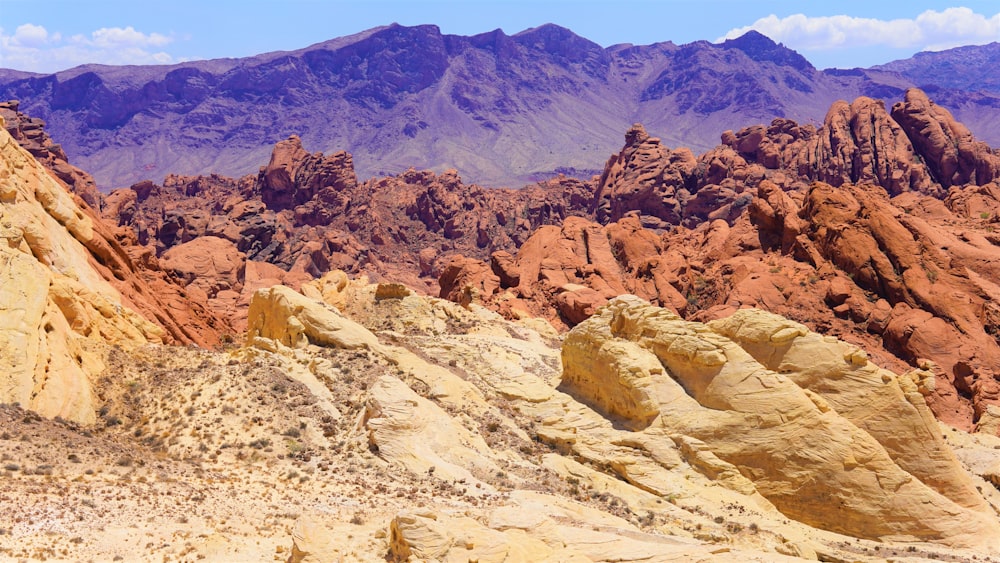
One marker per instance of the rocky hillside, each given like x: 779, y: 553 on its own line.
x: 364, y: 422
x: 503, y: 110
x: 63, y: 196
x: 372, y: 424
x: 540, y: 412
x: 876, y: 226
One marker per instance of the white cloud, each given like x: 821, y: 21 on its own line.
x: 33, y: 48
x: 30, y: 35
x: 114, y: 37
x: 930, y: 31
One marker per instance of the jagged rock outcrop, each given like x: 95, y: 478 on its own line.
x: 29, y: 132
x: 857, y: 143
x: 917, y: 147
x: 813, y: 457
x: 561, y: 273
x: 308, y: 214
x: 312, y: 183
x: 952, y: 153
x: 671, y: 187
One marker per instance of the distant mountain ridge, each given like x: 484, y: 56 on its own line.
x: 503, y: 110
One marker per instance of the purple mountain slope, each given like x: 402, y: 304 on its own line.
x: 502, y: 109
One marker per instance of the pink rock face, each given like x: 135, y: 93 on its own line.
x: 207, y: 259
x: 466, y: 280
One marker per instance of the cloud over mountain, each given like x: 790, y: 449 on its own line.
x: 929, y: 31
x: 32, y: 47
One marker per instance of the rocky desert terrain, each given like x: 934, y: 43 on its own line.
x: 782, y: 349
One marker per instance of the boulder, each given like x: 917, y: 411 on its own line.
x: 282, y: 314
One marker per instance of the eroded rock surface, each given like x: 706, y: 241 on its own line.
x: 804, y: 446
x: 57, y: 313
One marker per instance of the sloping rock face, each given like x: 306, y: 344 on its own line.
x: 30, y: 133
x: 57, y: 313
x: 811, y: 438
x: 133, y: 270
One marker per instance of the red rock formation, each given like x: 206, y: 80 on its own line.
x: 951, y: 152
x: 307, y: 214
x: 858, y: 143
x: 842, y: 227
x: 848, y: 261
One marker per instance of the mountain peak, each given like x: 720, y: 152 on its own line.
x: 762, y: 48
x: 553, y: 37
x: 547, y: 30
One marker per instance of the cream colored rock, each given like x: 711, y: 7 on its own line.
x: 410, y: 430
x: 282, y: 314
x: 536, y: 527
x: 425, y: 535
x: 312, y: 542
x: 989, y: 422
x: 330, y: 289
x: 57, y: 314
x: 701, y: 457
x: 814, y: 464
x: 889, y: 408
x: 684, y: 472
x: 618, y: 380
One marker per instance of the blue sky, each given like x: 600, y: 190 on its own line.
x: 50, y: 35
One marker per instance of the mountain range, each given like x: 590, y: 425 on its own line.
x: 503, y: 110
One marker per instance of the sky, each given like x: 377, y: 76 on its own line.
x: 51, y: 35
